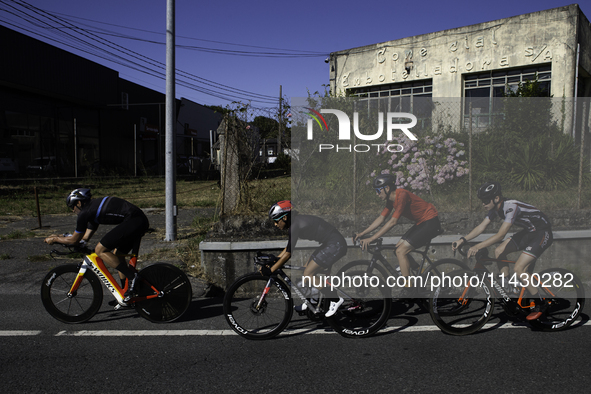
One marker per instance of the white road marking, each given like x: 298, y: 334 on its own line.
x: 180, y: 333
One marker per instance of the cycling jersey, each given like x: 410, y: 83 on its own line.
x: 521, y: 214
x: 132, y: 223
x: 107, y: 210
x: 312, y: 228
x: 410, y: 206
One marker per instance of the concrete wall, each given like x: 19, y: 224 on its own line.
x: 531, y: 39
x: 225, y: 261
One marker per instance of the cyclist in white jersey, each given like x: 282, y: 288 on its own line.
x: 534, y: 238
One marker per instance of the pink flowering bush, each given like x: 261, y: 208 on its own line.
x: 423, y: 164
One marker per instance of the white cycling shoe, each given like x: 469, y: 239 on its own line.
x: 334, y: 306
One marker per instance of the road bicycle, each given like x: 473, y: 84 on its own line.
x: 465, y: 302
x: 422, y: 276
x: 260, y: 307
x: 72, y: 293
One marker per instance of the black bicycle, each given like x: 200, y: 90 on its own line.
x: 465, y: 301
x: 422, y: 278
x: 260, y: 307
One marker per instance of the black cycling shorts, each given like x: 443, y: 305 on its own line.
x: 330, y: 252
x: 127, y: 235
x: 533, y: 243
x: 421, y: 234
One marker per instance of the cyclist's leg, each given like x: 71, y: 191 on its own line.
x: 506, y: 247
x: 416, y: 237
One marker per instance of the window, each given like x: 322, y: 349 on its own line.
x: 412, y: 97
x: 481, y: 89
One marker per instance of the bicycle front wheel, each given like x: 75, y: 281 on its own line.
x: 366, y: 308
x: 565, y: 296
x: 459, y: 306
x: 77, y: 307
x: 174, y: 293
x: 258, y: 307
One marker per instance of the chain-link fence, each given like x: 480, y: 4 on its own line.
x: 538, y: 148
x: 251, y: 156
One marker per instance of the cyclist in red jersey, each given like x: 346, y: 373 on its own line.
x: 401, y: 202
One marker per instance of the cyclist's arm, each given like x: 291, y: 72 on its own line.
x: 88, y: 234
x: 70, y: 240
x: 283, y: 257
x: 389, y: 224
x: 472, y: 234
x: 498, y: 237
x: 376, y: 223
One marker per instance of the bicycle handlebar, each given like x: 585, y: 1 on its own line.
x: 72, y: 249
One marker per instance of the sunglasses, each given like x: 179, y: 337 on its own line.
x: 485, y: 201
x: 379, y: 190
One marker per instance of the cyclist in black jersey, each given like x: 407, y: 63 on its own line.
x: 332, y: 246
x: 533, y: 239
x: 131, y: 223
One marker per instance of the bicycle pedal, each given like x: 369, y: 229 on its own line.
x: 303, y: 313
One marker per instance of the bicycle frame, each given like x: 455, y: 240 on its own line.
x: 377, y: 255
x: 281, y: 274
x: 96, y: 265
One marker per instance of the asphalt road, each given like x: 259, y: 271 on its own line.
x: 118, y: 351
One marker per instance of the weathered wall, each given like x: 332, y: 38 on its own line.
x: 531, y: 39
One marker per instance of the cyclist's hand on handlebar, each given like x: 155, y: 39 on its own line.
x: 364, y: 243
x: 265, y: 270
x: 472, y: 251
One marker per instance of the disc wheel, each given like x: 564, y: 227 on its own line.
x: 173, y: 289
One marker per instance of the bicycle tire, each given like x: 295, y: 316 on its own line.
x: 436, y: 269
x: 82, y: 305
x: 365, y: 313
x: 268, y: 320
x: 565, y: 304
x: 458, y: 309
x: 363, y: 266
x: 175, y: 293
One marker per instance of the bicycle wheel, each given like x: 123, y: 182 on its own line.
x: 362, y: 266
x: 366, y: 308
x: 460, y: 306
x: 78, y: 307
x: 565, y: 295
x: 174, y: 289
x: 250, y: 317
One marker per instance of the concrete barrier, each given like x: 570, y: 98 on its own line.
x: 223, y: 262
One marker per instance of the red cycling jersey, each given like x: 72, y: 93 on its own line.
x: 410, y: 206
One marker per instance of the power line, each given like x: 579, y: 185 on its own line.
x: 70, y: 35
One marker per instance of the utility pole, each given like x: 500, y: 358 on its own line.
x: 170, y: 152
x: 280, y: 131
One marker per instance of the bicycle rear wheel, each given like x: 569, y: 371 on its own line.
x: 457, y: 307
x: 248, y: 315
x: 366, y: 308
x: 78, y: 307
x: 565, y: 295
x: 174, y: 293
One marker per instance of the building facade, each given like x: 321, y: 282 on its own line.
x: 59, y: 108
x: 474, y: 63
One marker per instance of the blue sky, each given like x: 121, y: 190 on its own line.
x: 306, y: 30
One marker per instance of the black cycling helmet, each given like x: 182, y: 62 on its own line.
x: 83, y: 195
x: 280, y: 209
x: 489, y: 190
x: 384, y: 180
